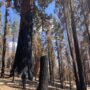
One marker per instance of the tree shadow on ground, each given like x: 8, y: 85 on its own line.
x: 31, y: 85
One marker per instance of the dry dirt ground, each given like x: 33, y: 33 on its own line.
x: 7, y: 84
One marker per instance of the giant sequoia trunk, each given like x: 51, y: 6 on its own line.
x: 43, y: 78
x: 23, y: 57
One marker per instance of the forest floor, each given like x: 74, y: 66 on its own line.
x: 7, y: 84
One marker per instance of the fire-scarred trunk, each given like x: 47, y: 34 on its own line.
x: 43, y: 78
x: 23, y: 57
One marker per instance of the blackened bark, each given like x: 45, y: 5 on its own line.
x: 50, y: 69
x: 43, y: 78
x: 23, y: 57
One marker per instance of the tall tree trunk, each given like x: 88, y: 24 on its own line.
x: 4, y: 46
x: 77, y: 52
x: 23, y: 57
x: 74, y: 62
x: 43, y: 78
x: 70, y: 41
x: 60, y: 63
x: 69, y: 71
x: 50, y: 61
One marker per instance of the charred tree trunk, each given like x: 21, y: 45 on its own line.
x: 23, y: 57
x: 50, y: 69
x: 43, y: 78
